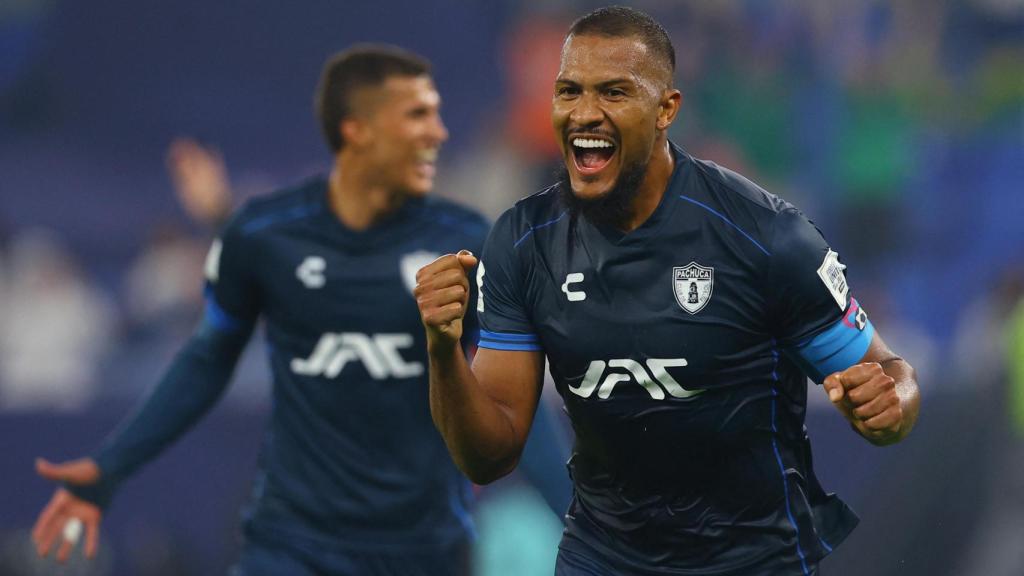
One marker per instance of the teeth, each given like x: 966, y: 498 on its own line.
x: 591, y: 143
x: 427, y: 155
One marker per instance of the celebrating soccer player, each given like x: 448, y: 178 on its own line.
x: 354, y: 477
x: 681, y: 309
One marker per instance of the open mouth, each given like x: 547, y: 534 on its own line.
x: 426, y: 162
x: 591, y: 155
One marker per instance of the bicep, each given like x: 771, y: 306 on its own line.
x: 513, y: 380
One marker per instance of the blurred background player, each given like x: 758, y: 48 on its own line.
x: 353, y: 477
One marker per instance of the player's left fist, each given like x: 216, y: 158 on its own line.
x: 867, y: 397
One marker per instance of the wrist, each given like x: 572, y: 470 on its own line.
x: 441, y: 348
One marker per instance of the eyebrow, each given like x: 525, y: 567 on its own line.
x: 601, y: 84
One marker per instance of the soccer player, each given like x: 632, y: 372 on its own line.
x: 681, y: 309
x: 354, y: 478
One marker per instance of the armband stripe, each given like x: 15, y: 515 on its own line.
x: 840, y: 346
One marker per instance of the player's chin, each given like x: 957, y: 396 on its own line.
x: 419, y: 186
x: 589, y: 188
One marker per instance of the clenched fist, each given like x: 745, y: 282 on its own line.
x: 442, y: 294
x: 867, y: 397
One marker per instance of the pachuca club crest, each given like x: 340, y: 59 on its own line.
x: 692, y: 285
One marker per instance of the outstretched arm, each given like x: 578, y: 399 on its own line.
x: 483, y: 413
x: 196, y: 379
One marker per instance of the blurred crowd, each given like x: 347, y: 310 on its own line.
x: 897, y: 126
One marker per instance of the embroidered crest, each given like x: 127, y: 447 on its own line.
x: 411, y: 263
x: 692, y: 285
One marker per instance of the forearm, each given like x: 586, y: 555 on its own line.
x: 910, y: 397
x: 480, y: 432
x: 191, y: 386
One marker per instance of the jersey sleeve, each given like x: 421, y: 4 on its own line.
x: 504, y: 322
x: 196, y: 378
x: 817, y: 322
x: 232, y: 296
x: 471, y: 323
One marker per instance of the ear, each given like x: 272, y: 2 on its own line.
x: 668, y: 108
x: 354, y: 131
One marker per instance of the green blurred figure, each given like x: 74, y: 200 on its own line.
x: 1015, y: 365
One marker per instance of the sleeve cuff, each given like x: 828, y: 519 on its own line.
x: 517, y: 342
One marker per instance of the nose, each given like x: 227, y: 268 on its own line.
x: 586, y: 112
x: 439, y: 130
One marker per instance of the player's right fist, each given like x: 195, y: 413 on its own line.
x: 442, y: 294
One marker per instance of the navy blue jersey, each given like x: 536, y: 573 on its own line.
x: 682, y: 350
x: 351, y: 457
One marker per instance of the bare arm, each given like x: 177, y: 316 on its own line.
x: 879, y: 395
x: 483, y: 413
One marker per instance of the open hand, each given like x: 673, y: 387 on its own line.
x: 66, y: 514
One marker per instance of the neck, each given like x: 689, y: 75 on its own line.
x: 652, y: 187
x: 356, y: 196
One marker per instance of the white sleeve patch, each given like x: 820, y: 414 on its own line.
x: 480, y: 287
x: 831, y: 273
x: 212, y: 266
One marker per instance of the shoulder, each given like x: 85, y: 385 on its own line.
x: 278, y: 208
x: 529, y: 215
x: 764, y: 218
x: 455, y: 217
x: 736, y: 192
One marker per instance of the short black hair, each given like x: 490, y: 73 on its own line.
x: 621, y: 21
x: 358, y: 67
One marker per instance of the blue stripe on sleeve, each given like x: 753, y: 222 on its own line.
x: 485, y: 335
x: 218, y: 317
x: 521, y: 347
x: 837, y: 348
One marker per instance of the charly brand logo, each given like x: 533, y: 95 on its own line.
x: 379, y: 353
x: 311, y: 272
x: 574, y: 295
x: 692, y: 284
x: 411, y: 263
x: 655, y: 378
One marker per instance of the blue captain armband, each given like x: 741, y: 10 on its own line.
x: 517, y: 342
x: 837, y: 348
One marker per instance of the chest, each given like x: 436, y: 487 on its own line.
x: 311, y: 283
x: 655, y: 322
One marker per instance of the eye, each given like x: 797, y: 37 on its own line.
x: 615, y: 93
x: 567, y: 91
x: 421, y: 112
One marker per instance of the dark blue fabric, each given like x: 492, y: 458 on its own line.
x: 270, y: 558
x: 351, y: 459
x: 664, y: 343
x: 195, y: 380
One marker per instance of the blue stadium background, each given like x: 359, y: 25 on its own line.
x: 898, y: 127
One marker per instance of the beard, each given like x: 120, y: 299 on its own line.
x: 614, y: 208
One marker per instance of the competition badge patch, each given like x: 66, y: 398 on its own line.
x: 692, y: 285
x: 411, y: 263
x: 831, y: 273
